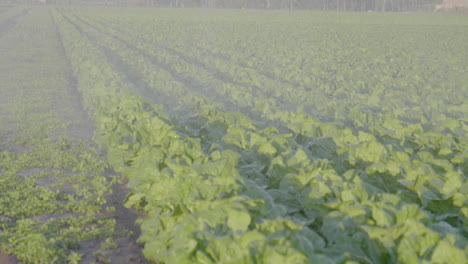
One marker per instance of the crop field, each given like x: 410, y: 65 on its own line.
x: 233, y: 136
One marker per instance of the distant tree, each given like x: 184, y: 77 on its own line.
x: 337, y: 5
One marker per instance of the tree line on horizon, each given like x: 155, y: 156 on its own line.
x: 337, y: 5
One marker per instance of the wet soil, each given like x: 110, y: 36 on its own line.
x: 7, y: 259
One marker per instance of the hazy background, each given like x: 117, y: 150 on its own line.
x: 339, y: 5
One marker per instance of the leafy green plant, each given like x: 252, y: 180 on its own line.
x: 336, y: 147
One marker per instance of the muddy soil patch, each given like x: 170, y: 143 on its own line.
x: 7, y: 259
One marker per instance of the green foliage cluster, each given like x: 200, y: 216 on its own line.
x: 346, y: 145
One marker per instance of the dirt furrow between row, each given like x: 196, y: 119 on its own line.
x: 60, y: 202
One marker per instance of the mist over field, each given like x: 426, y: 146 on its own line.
x: 233, y: 131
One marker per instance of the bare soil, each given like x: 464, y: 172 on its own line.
x: 128, y: 250
x: 7, y: 259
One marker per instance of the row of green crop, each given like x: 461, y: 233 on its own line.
x: 52, y: 186
x: 172, y: 78
x: 216, y: 76
x: 439, y: 119
x: 346, y: 195
x: 398, y: 71
x: 295, y: 121
x: 196, y: 212
x: 445, y: 117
